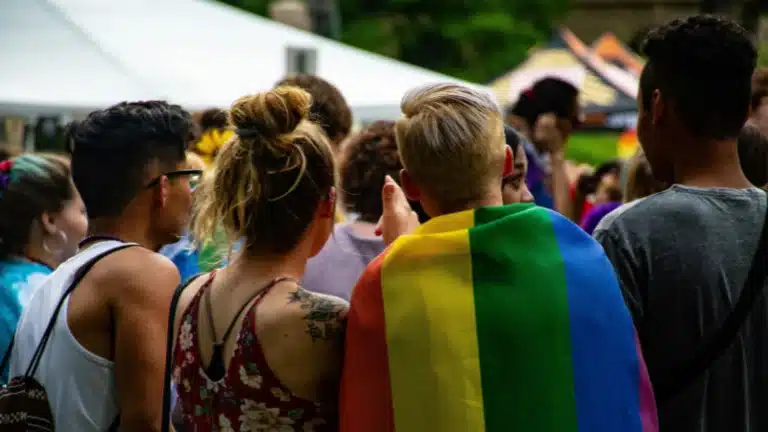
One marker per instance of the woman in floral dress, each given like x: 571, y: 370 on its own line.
x: 254, y: 351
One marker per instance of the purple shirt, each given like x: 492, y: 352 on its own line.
x: 598, y: 212
x: 338, y: 266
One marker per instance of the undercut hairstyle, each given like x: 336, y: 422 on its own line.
x: 703, y: 66
x: 753, y: 155
x: 329, y: 108
x: 114, y: 149
x: 451, y: 141
x: 270, y: 178
x: 35, y: 184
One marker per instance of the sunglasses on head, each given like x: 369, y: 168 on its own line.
x: 193, y: 175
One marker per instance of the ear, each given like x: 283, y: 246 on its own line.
x: 48, y: 223
x: 509, y: 161
x: 163, y: 191
x: 411, y: 190
x: 658, y: 105
x: 327, y: 207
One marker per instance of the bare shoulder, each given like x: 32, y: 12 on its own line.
x: 324, y: 316
x: 137, y: 271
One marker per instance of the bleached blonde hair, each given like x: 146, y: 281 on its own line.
x: 451, y: 141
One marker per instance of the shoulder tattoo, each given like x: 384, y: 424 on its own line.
x: 324, y: 317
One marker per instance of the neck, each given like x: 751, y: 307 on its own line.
x: 37, y: 253
x: 264, y: 267
x: 491, y: 199
x: 127, y: 231
x: 711, y: 164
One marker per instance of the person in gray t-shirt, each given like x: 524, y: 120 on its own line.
x: 682, y: 255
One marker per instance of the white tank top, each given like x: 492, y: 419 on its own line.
x: 80, y: 385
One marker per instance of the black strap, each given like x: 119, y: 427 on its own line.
x: 169, y: 353
x: 678, y: 379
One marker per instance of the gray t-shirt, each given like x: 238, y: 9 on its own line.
x: 682, y: 258
x: 337, y: 267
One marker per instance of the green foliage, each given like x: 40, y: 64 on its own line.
x: 474, y: 40
x: 593, y: 148
x: 763, y: 58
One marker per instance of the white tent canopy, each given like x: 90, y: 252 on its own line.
x: 72, y: 56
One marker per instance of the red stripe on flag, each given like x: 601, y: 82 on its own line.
x: 366, y: 397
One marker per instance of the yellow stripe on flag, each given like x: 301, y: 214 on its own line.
x: 431, y: 335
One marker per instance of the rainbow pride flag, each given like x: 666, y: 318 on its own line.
x: 496, y: 319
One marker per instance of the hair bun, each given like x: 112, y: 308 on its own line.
x: 270, y: 114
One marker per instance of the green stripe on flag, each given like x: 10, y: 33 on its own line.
x: 522, y: 322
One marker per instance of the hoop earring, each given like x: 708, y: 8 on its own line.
x: 63, y: 236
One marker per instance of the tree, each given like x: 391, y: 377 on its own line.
x: 473, y: 40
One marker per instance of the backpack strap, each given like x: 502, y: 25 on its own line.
x: 169, y: 353
x: 678, y: 379
x: 79, y: 275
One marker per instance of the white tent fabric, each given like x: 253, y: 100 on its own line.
x: 78, y: 55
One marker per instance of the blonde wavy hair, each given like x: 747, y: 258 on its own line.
x: 269, y: 178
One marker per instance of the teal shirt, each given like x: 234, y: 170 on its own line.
x: 18, y: 281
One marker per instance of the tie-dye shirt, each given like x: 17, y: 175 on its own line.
x: 18, y: 281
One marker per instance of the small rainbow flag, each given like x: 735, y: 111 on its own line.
x: 627, y: 144
x: 496, y: 319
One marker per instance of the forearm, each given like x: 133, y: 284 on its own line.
x: 561, y: 192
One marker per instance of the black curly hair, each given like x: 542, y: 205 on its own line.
x: 112, y: 149
x: 703, y: 65
x: 368, y: 157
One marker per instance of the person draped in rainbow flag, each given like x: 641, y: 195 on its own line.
x: 487, y: 317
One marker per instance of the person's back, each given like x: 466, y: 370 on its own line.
x: 682, y: 255
x: 487, y: 317
x: 338, y: 266
x: 368, y: 157
x: 254, y: 350
x: 106, y: 355
x: 698, y: 245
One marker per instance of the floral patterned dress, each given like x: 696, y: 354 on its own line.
x: 249, y: 397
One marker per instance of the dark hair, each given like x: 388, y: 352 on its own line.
x: 329, y: 108
x: 271, y: 177
x: 212, y: 118
x: 753, y: 154
x: 113, y: 148
x: 5, y: 154
x: 36, y: 184
x: 704, y: 66
x: 513, y: 139
x: 548, y: 95
x: 368, y: 157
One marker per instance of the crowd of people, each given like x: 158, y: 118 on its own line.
x: 268, y: 268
